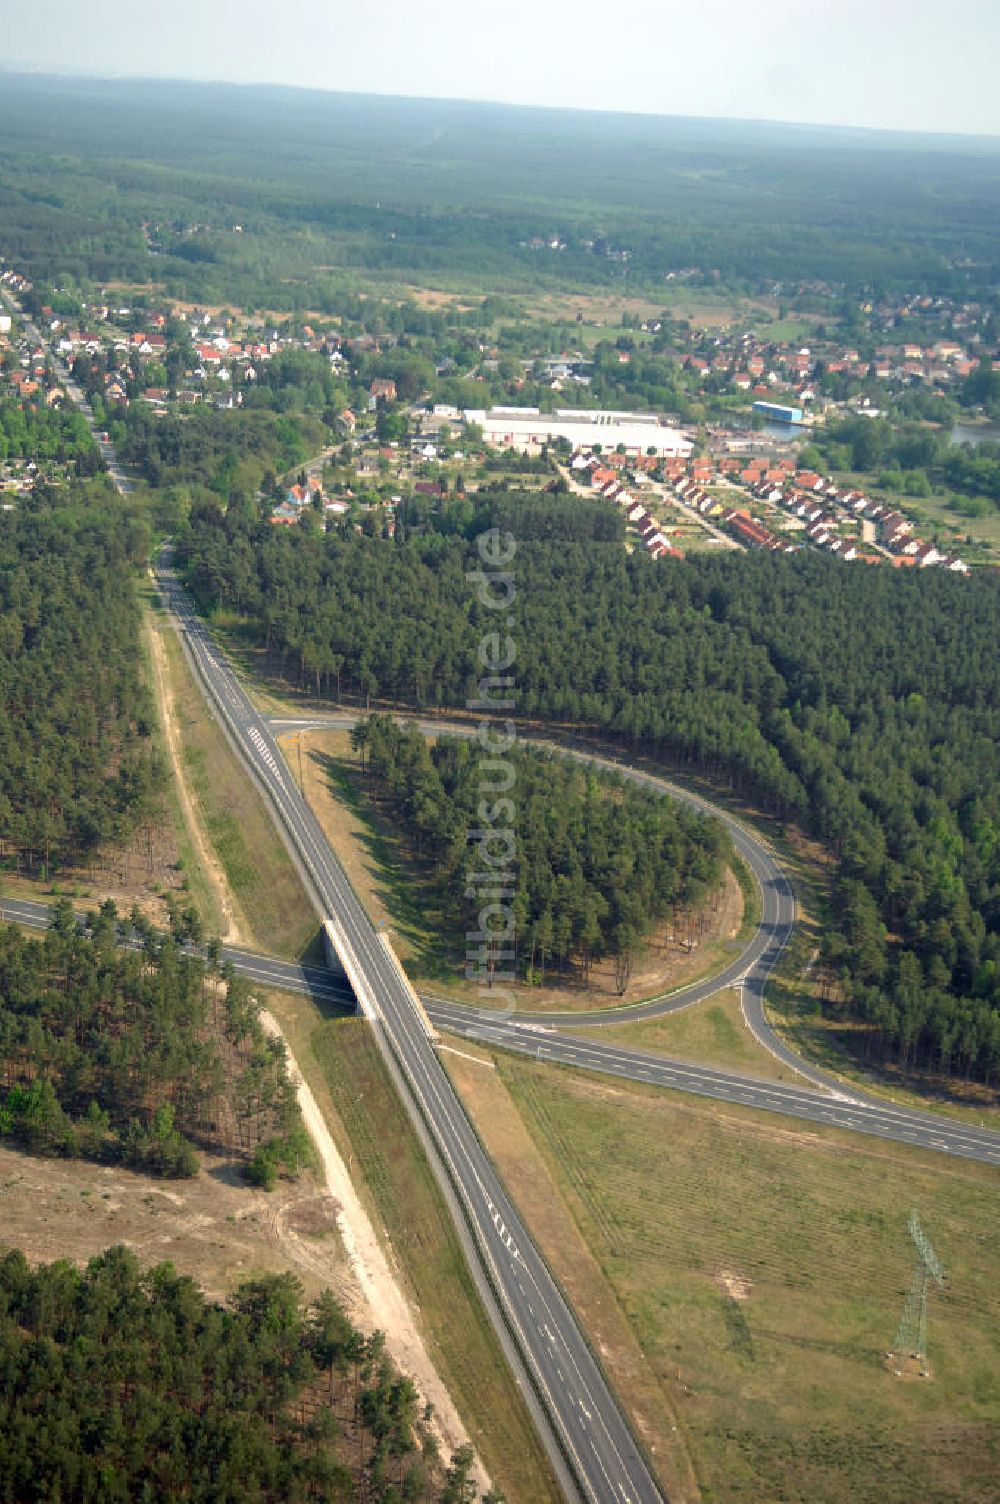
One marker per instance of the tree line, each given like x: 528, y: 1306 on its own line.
x: 584, y: 862
x: 41, y: 434
x: 120, y: 1384
x: 556, y: 515
x: 861, y: 704
x: 910, y: 457
x: 327, y: 200
x: 77, y: 763
x: 230, y: 450
x: 138, y: 1056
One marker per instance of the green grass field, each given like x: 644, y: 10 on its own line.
x: 935, y: 511
x: 791, y: 329
x: 763, y: 1271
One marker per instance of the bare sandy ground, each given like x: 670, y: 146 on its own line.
x: 381, y: 1301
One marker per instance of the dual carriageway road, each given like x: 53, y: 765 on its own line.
x: 594, y: 1452
x: 837, y: 1107
x: 593, y: 1449
x: 591, y: 1444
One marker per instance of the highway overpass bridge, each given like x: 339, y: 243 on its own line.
x: 584, y: 1049
x: 591, y: 1444
x: 593, y: 1449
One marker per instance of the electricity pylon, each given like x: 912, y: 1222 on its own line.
x: 911, y: 1338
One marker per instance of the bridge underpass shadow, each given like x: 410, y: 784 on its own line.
x: 330, y: 992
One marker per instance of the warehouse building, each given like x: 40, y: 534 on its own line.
x: 527, y: 429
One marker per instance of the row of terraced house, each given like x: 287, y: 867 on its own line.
x: 824, y: 507
x: 605, y: 482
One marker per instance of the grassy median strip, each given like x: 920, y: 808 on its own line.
x: 341, y: 1062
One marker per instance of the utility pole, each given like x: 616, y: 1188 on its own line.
x: 911, y: 1337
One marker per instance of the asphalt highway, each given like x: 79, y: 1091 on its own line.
x: 599, y: 1450
x: 838, y: 1107
x: 592, y: 1445
x: 748, y: 971
x: 836, y: 1110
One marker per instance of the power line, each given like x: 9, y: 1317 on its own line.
x: 911, y: 1336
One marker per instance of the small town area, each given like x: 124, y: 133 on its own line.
x: 741, y: 460
x: 500, y: 757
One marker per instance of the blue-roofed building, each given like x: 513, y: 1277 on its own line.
x: 777, y: 412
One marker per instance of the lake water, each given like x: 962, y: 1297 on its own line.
x: 973, y: 434
x: 784, y: 432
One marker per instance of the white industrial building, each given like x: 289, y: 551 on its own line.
x: 528, y: 428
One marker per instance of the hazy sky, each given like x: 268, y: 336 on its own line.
x: 909, y: 64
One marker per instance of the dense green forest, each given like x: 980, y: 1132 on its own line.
x: 594, y: 861
x: 862, y: 704
x: 41, y: 434
x: 137, y: 1055
x: 330, y: 188
x: 228, y: 450
x: 118, y: 1385
x: 77, y: 762
x: 556, y: 515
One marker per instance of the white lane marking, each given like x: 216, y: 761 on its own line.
x: 476, y: 1059
x: 331, y: 883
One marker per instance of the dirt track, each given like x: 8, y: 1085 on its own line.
x: 381, y: 1302
x: 211, y: 866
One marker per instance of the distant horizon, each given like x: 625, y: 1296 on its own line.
x: 69, y: 74
x: 900, y: 66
